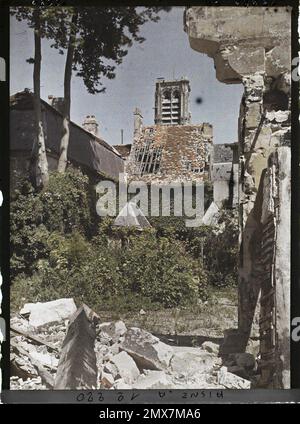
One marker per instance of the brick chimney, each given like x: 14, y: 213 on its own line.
x: 90, y: 124
x: 138, y: 122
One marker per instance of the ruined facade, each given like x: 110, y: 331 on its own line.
x: 173, y: 149
x: 251, y: 45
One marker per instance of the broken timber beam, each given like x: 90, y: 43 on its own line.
x: 35, y: 339
x: 77, y: 367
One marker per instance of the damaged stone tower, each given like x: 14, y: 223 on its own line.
x: 172, y: 102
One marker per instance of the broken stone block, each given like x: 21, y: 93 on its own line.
x: 114, y: 349
x: 107, y: 380
x: 232, y: 381
x: 278, y: 116
x: 126, y: 366
x: 253, y: 115
x: 210, y: 347
x: 187, y: 363
x: 42, y: 313
x: 120, y: 385
x: 45, y: 359
x: 153, y: 380
x: 112, y: 369
x: 147, y: 350
x: 112, y: 330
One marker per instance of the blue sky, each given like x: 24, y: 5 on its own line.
x: 165, y: 53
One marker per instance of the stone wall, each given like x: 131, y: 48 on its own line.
x: 251, y: 45
x: 225, y: 175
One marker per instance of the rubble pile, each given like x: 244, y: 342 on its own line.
x: 127, y: 358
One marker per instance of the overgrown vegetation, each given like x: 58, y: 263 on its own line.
x: 60, y: 248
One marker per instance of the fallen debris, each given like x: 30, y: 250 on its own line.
x: 153, y: 380
x: 33, y: 338
x: 126, y: 366
x: 41, y: 314
x: 109, y: 355
x: 232, y: 381
x: 147, y: 350
x: 45, y: 376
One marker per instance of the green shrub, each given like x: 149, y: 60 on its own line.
x: 66, y: 205
x: 160, y: 269
x: 60, y: 248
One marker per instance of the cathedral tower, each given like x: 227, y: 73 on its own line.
x: 172, y: 102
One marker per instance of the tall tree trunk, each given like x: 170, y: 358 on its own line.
x: 39, y: 163
x: 64, y: 143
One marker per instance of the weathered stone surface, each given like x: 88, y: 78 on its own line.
x: 147, y: 350
x: 126, y: 366
x: 153, y: 380
x: 112, y: 330
x: 232, y: 381
x: 111, y: 368
x: 48, y: 312
x: 237, y: 37
x: 121, y: 385
x: 253, y: 115
x: 252, y: 45
x: 188, y: 362
x: 211, y: 347
x: 278, y: 116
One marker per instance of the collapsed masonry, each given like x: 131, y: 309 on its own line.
x: 251, y: 45
x: 68, y: 348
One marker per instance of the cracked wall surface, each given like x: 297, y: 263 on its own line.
x: 251, y: 45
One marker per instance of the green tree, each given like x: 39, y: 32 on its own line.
x: 36, y: 18
x: 96, y: 39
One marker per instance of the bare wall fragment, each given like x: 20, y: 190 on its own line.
x: 251, y: 45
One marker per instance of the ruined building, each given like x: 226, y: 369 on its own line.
x: 172, y: 149
x: 252, y: 46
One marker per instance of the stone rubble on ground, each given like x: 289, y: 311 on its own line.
x: 48, y: 312
x: 127, y: 358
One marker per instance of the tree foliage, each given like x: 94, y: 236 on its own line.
x: 103, y: 37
